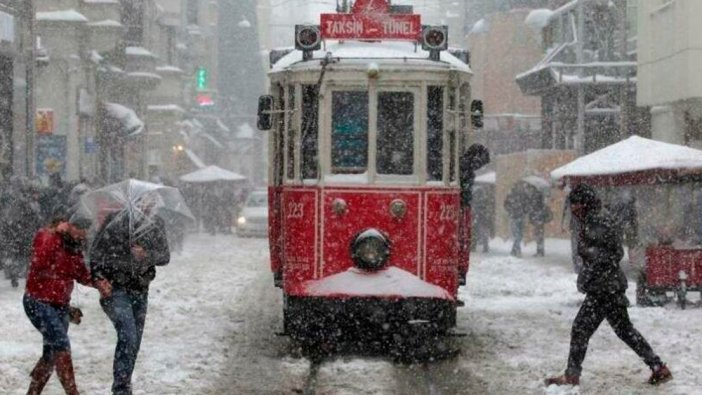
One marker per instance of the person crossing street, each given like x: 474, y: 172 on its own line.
x: 604, y: 284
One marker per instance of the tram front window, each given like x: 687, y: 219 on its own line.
x: 349, y: 145
x: 395, y: 133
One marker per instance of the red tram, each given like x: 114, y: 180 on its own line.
x: 369, y: 172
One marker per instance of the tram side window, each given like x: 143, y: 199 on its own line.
x: 278, y: 139
x: 290, y: 164
x: 349, y: 140
x: 395, y: 133
x: 310, y: 130
x: 435, y: 127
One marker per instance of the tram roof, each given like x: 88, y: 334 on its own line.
x: 383, y: 50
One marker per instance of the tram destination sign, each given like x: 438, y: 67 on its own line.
x: 371, y: 26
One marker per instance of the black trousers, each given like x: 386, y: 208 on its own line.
x: 593, y: 311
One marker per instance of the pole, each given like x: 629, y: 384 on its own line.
x: 29, y: 53
x: 624, y: 92
x: 579, y: 138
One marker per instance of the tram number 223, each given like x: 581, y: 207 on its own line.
x: 449, y: 212
x: 295, y: 210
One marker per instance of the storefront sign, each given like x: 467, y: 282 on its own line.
x: 44, y: 121
x: 51, y: 155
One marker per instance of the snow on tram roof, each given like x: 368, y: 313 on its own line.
x: 371, y: 50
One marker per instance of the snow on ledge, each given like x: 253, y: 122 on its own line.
x: 166, y: 108
x: 61, y: 16
x: 138, y: 51
x: 169, y: 69
x: 387, y: 283
x: 106, y: 23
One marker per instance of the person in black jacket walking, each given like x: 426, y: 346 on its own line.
x: 127, y: 248
x: 603, y: 282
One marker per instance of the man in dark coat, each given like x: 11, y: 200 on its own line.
x: 604, y: 284
x: 126, y: 251
x: 539, y: 215
x: 517, y: 206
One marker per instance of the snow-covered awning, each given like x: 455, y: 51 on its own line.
x: 633, y: 161
x: 212, y: 173
x: 126, y: 117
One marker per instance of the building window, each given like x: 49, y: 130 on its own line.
x: 133, y: 19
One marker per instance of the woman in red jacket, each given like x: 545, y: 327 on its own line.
x: 57, y: 260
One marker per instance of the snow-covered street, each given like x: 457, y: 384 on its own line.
x: 213, y: 314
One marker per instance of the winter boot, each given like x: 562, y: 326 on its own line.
x: 660, y: 375
x: 563, y: 380
x: 64, y: 370
x: 40, y: 376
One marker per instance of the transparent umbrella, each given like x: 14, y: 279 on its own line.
x: 136, y: 203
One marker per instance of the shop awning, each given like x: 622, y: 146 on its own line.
x: 212, y: 173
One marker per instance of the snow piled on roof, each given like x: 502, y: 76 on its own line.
x: 61, y: 16
x: 390, y: 282
x: 539, y: 18
x: 633, y: 154
x: 400, y: 50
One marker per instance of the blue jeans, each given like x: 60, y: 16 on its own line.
x: 52, y: 322
x: 516, y: 226
x: 127, y: 311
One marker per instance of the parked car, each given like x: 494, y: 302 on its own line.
x: 253, y: 217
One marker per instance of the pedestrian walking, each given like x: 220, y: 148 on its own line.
x: 22, y: 218
x: 481, y: 219
x: 604, y: 284
x: 57, y: 261
x: 539, y: 215
x: 517, y: 205
x: 128, y: 247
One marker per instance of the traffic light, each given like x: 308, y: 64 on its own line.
x: 201, y: 78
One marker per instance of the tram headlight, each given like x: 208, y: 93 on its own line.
x: 241, y: 220
x: 370, y: 250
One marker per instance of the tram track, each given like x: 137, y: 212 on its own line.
x: 385, y: 375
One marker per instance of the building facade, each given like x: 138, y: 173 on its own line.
x: 587, y: 76
x: 16, y: 89
x: 669, y: 58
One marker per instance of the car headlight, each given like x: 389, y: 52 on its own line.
x: 370, y: 250
x: 241, y: 220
